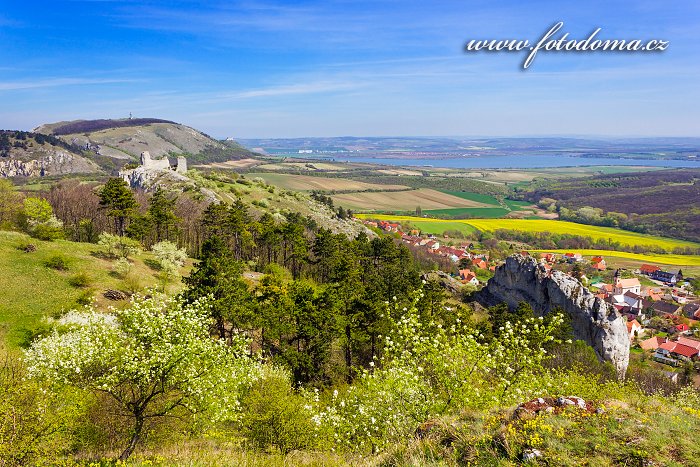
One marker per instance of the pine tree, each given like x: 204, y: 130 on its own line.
x: 161, y: 210
x: 119, y: 201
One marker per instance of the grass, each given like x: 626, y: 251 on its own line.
x: 478, y: 197
x: 624, y: 237
x: 650, y: 258
x: 483, y: 213
x: 647, y: 431
x: 31, y: 291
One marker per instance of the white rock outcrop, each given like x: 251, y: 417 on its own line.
x: 594, y: 321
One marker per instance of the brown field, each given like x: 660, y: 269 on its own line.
x: 426, y: 198
x: 239, y: 164
x: 400, y: 172
x: 308, y: 183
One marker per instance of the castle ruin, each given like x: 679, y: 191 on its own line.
x: 163, y: 164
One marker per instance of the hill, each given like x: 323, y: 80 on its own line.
x: 661, y: 202
x: 123, y: 140
x: 30, y: 154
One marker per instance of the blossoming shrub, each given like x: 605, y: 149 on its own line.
x: 427, y: 371
x: 153, y: 358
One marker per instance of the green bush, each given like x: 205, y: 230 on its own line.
x: 80, y: 280
x: 274, y: 415
x: 34, y: 423
x: 57, y: 262
x: 86, y: 297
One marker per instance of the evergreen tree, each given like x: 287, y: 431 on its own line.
x: 219, y: 275
x: 120, y: 203
x: 161, y: 210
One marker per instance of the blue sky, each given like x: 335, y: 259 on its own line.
x: 332, y: 68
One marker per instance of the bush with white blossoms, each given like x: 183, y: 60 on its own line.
x: 118, y: 247
x: 169, y: 255
x: 427, y: 371
x: 153, y: 358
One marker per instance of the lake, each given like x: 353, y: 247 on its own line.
x: 511, y: 162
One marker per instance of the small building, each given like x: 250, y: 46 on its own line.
x: 652, y: 343
x: 598, y: 263
x: 622, y: 286
x: 634, y: 329
x: 648, y: 269
x: 667, y: 277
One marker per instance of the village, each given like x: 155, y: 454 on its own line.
x: 661, y: 309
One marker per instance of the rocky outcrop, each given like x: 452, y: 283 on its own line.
x: 594, y: 321
x: 449, y: 283
x: 56, y: 163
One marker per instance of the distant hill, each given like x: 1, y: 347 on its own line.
x: 123, y: 140
x: 662, y: 202
x: 29, y: 154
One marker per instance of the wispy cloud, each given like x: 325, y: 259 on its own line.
x: 293, y: 89
x: 57, y: 82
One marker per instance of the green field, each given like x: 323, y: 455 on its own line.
x: 485, y: 213
x: 478, y: 197
x: 438, y: 226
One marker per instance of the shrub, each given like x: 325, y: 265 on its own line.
x: 80, y: 280
x: 57, y: 262
x: 118, y: 247
x: 122, y: 267
x: 40, y: 221
x: 274, y: 415
x: 34, y: 423
x: 85, y: 298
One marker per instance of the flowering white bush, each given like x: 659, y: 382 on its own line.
x: 153, y: 357
x: 118, y: 247
x: 122, y: 267
x: 428, y: 370
x: 169, y: 255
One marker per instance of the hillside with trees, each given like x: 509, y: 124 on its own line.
x: 659, y: 202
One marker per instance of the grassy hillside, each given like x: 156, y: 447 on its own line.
x: 438, y: 226
x: 32, y: 291
x: 124, y: 139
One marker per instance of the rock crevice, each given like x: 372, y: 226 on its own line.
x: 594, y: 321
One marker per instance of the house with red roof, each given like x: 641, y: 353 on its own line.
x: 648, y: 269
x: 598, y: 263
x: 652, y: 343
x: 480, y: 263
x: 675, y: 351
x: 689, y: 342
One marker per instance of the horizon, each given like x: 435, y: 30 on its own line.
x: 261, y: 70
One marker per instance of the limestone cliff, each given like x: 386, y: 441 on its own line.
x: 593, y: 320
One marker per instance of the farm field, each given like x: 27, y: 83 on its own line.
x: 438, y: 226
x: 426, y: 198
x: 649, y: 258
x: 309, y: 183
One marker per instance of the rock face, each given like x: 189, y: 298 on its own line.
x: 56, y: 163
x: 594, y: 321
